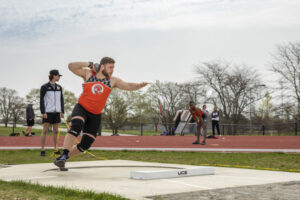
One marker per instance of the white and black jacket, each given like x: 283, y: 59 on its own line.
x: 215, y: 116
x: 51, y: 99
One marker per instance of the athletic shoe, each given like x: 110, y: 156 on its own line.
x: 203, y: 143
x: 43, y: 153
x: 57, y: 152
x: 23, y: 132
x: 196, y: 142
x: 215, y: 137
x: 60, y: 161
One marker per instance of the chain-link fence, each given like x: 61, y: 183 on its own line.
x: 225, y: 129
x: 149, y: 129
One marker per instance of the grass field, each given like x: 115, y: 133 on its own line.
x: 275, y: 161
x: 21, y: 190
x: 5, y: 131
x: 18, y: 190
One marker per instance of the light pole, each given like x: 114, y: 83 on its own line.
x: 250, y: 113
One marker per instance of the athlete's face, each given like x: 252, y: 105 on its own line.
x: 56, y: 77
x: 108, y: 69
x: 192, y: 106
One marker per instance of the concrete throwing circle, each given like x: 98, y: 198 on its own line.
x: 115, y: 166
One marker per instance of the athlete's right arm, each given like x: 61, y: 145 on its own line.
x: 194, y: 117
x: 43, y: 91
x: 200, y: 117
x: 81, y: 69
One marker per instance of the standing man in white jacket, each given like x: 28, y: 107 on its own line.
x: 52, y: 107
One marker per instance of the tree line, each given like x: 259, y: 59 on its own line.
x: 240, y: 92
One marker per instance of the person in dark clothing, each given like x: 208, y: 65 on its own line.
x: 30, y: 118
x: 215, y: 118
x: 52, y: 107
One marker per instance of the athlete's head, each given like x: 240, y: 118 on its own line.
x: 107, y: 65
x: 54, y: 75
x: 215, y: 108
x: 204, y: 107
x: 192, y: 105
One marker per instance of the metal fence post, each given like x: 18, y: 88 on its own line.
x: 142, y: 129
x: 263, y: 129
x: 100, y: 130
x: 296, y: 128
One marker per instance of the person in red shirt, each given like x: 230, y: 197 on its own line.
x: 197, y: 116
x: 86, y: 115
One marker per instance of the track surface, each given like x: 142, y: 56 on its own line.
x: 224, y: 142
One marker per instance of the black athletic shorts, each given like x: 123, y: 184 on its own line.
x: 52, y: 118
x: 92, y: 121
x: 30, y: 122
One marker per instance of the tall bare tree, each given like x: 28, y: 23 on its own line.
x: 34, y: 97
x: 265, y: 109
x: 168, y: 97
x: 118, y: 109
x: 6, y: 99
x: 194, y: 91
x: 17, y: 110
x: 69, y: 100
x: 234, y: 87
x: 286, y: 63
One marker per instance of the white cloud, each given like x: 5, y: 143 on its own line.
x: 40, y: 18
x: 154, y: 39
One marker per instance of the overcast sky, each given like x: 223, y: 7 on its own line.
x: 149, y: 39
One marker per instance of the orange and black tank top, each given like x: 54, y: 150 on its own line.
x: 196, y: 114
x: 95, y: 94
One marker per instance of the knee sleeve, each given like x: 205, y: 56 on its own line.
x: 85, y: 143
x: 77, y: 125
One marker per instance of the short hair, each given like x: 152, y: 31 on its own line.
x: 106, y: 60
x: 192, y: 103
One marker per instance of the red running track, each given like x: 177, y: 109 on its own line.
x: 224, y: 142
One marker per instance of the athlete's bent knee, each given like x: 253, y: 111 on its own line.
x: 85, y: 143
x: 77, y: 125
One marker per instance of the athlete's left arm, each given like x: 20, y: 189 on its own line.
x: 123, y: 85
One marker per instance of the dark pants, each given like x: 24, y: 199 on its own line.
x: 215, y: 124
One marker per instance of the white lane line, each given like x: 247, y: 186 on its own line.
x: 171, y: 149
x: 187, y: 184
x: 29, y: 178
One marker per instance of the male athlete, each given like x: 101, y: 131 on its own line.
x: 52, y: 107
x: 98, y: 83
x: 197, y: 116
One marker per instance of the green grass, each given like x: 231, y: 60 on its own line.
x: 5, y: 131
x: 274, y: 161
x: 21, y: 190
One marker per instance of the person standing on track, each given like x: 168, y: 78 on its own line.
x: 197, y: 116
x: 52, y: 107
x: 30, y: 118
x: 215, y: 118
x: 98, y: 83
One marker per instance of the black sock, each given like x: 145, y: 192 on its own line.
x: 66, y: 153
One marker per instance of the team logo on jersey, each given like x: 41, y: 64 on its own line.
x: 97, y: 89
